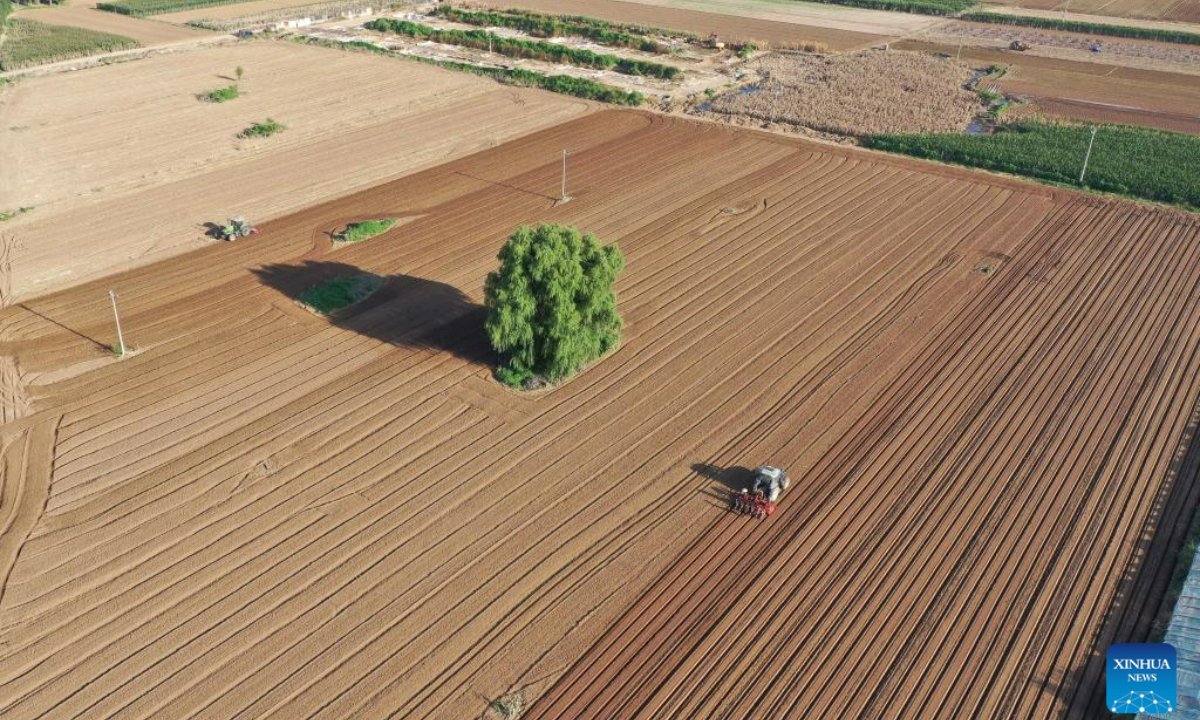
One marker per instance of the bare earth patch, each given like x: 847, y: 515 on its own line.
x: 354, y: 120
x: 862, y: 94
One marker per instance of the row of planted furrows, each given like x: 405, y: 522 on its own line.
x: 266, y: 514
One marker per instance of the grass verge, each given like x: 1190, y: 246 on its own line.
x: 359, y: 231
x: 266, y: 128
x: 1123, y: 31
x: 334, y: 295
x: 1131, y: 161
x: 517, y: 47
x: 29, y: 42
x: 564, y: 84
x: 221, y: 95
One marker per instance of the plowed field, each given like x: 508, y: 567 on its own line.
x: 982, y: 388
x: 1091, y: 90
x: 129, y: 158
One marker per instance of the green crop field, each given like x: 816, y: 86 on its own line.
x: 140, y: 8
x: 33, y: 43
x: 1137, y: 162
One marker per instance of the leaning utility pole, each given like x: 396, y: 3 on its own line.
x: 1088, y: 156
x: 120, y: 338
x: 563, y: 197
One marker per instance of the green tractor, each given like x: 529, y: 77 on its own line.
x: 237, y: 228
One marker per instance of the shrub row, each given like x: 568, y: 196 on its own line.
x: 552, y: 26
x: 141, y: 8
x: 564, y: 84
x: 922, y: 7
x: 1132, y: 161
x: 516, y: 47
x: 1124, y: 31
x: 33, y: 43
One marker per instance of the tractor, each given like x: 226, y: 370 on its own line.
x: 237, y: 228
x: 758, y: 500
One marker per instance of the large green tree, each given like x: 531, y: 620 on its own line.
x: 551, y: 305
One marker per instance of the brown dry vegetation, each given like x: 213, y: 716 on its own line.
x: 861, y: 94
x: 266, y: 514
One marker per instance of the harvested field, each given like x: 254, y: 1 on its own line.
x: 265, y: 514
x: 353, y: 120
x: 1173, y: 10
x: 863, y: 94
x: 85, y: 15
x: 730, y: 27
x: 1149, y: 98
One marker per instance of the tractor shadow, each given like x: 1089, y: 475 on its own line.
x: 727, y: 481
x: 405, y: 311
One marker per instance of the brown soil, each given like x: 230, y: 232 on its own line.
x: 728, y: 27
x: 1077, y: 89
x: 265, y: 514
x: 129, y: 158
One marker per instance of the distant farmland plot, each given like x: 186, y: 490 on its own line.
x: 33, y: 43
x: 1148, y: 164
x: 140, y: 8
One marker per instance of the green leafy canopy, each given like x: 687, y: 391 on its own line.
x: 551, y: 304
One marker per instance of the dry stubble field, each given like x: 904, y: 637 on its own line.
x: 129, y: 158
x: 263, y: 514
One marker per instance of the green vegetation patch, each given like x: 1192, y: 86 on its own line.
x: 921, y: 7
x: 34, y: 43
x: 7, y: 215
x: 1136, y: 162
x: 359, y: 231
x: 221, y: 95
x: 141, y: 8
x: 538, y: 25
x: 517, y: 47
x: 1123, y: 31
x: 334, y: 295
x: 266, y: 128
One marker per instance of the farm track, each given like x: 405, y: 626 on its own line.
x: 265, y: 514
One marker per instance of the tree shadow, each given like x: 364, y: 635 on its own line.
x: 404, y: 311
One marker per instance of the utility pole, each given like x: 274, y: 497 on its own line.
x: 1088, y: 156
x: 120, y: 338
x: 564, y: 196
